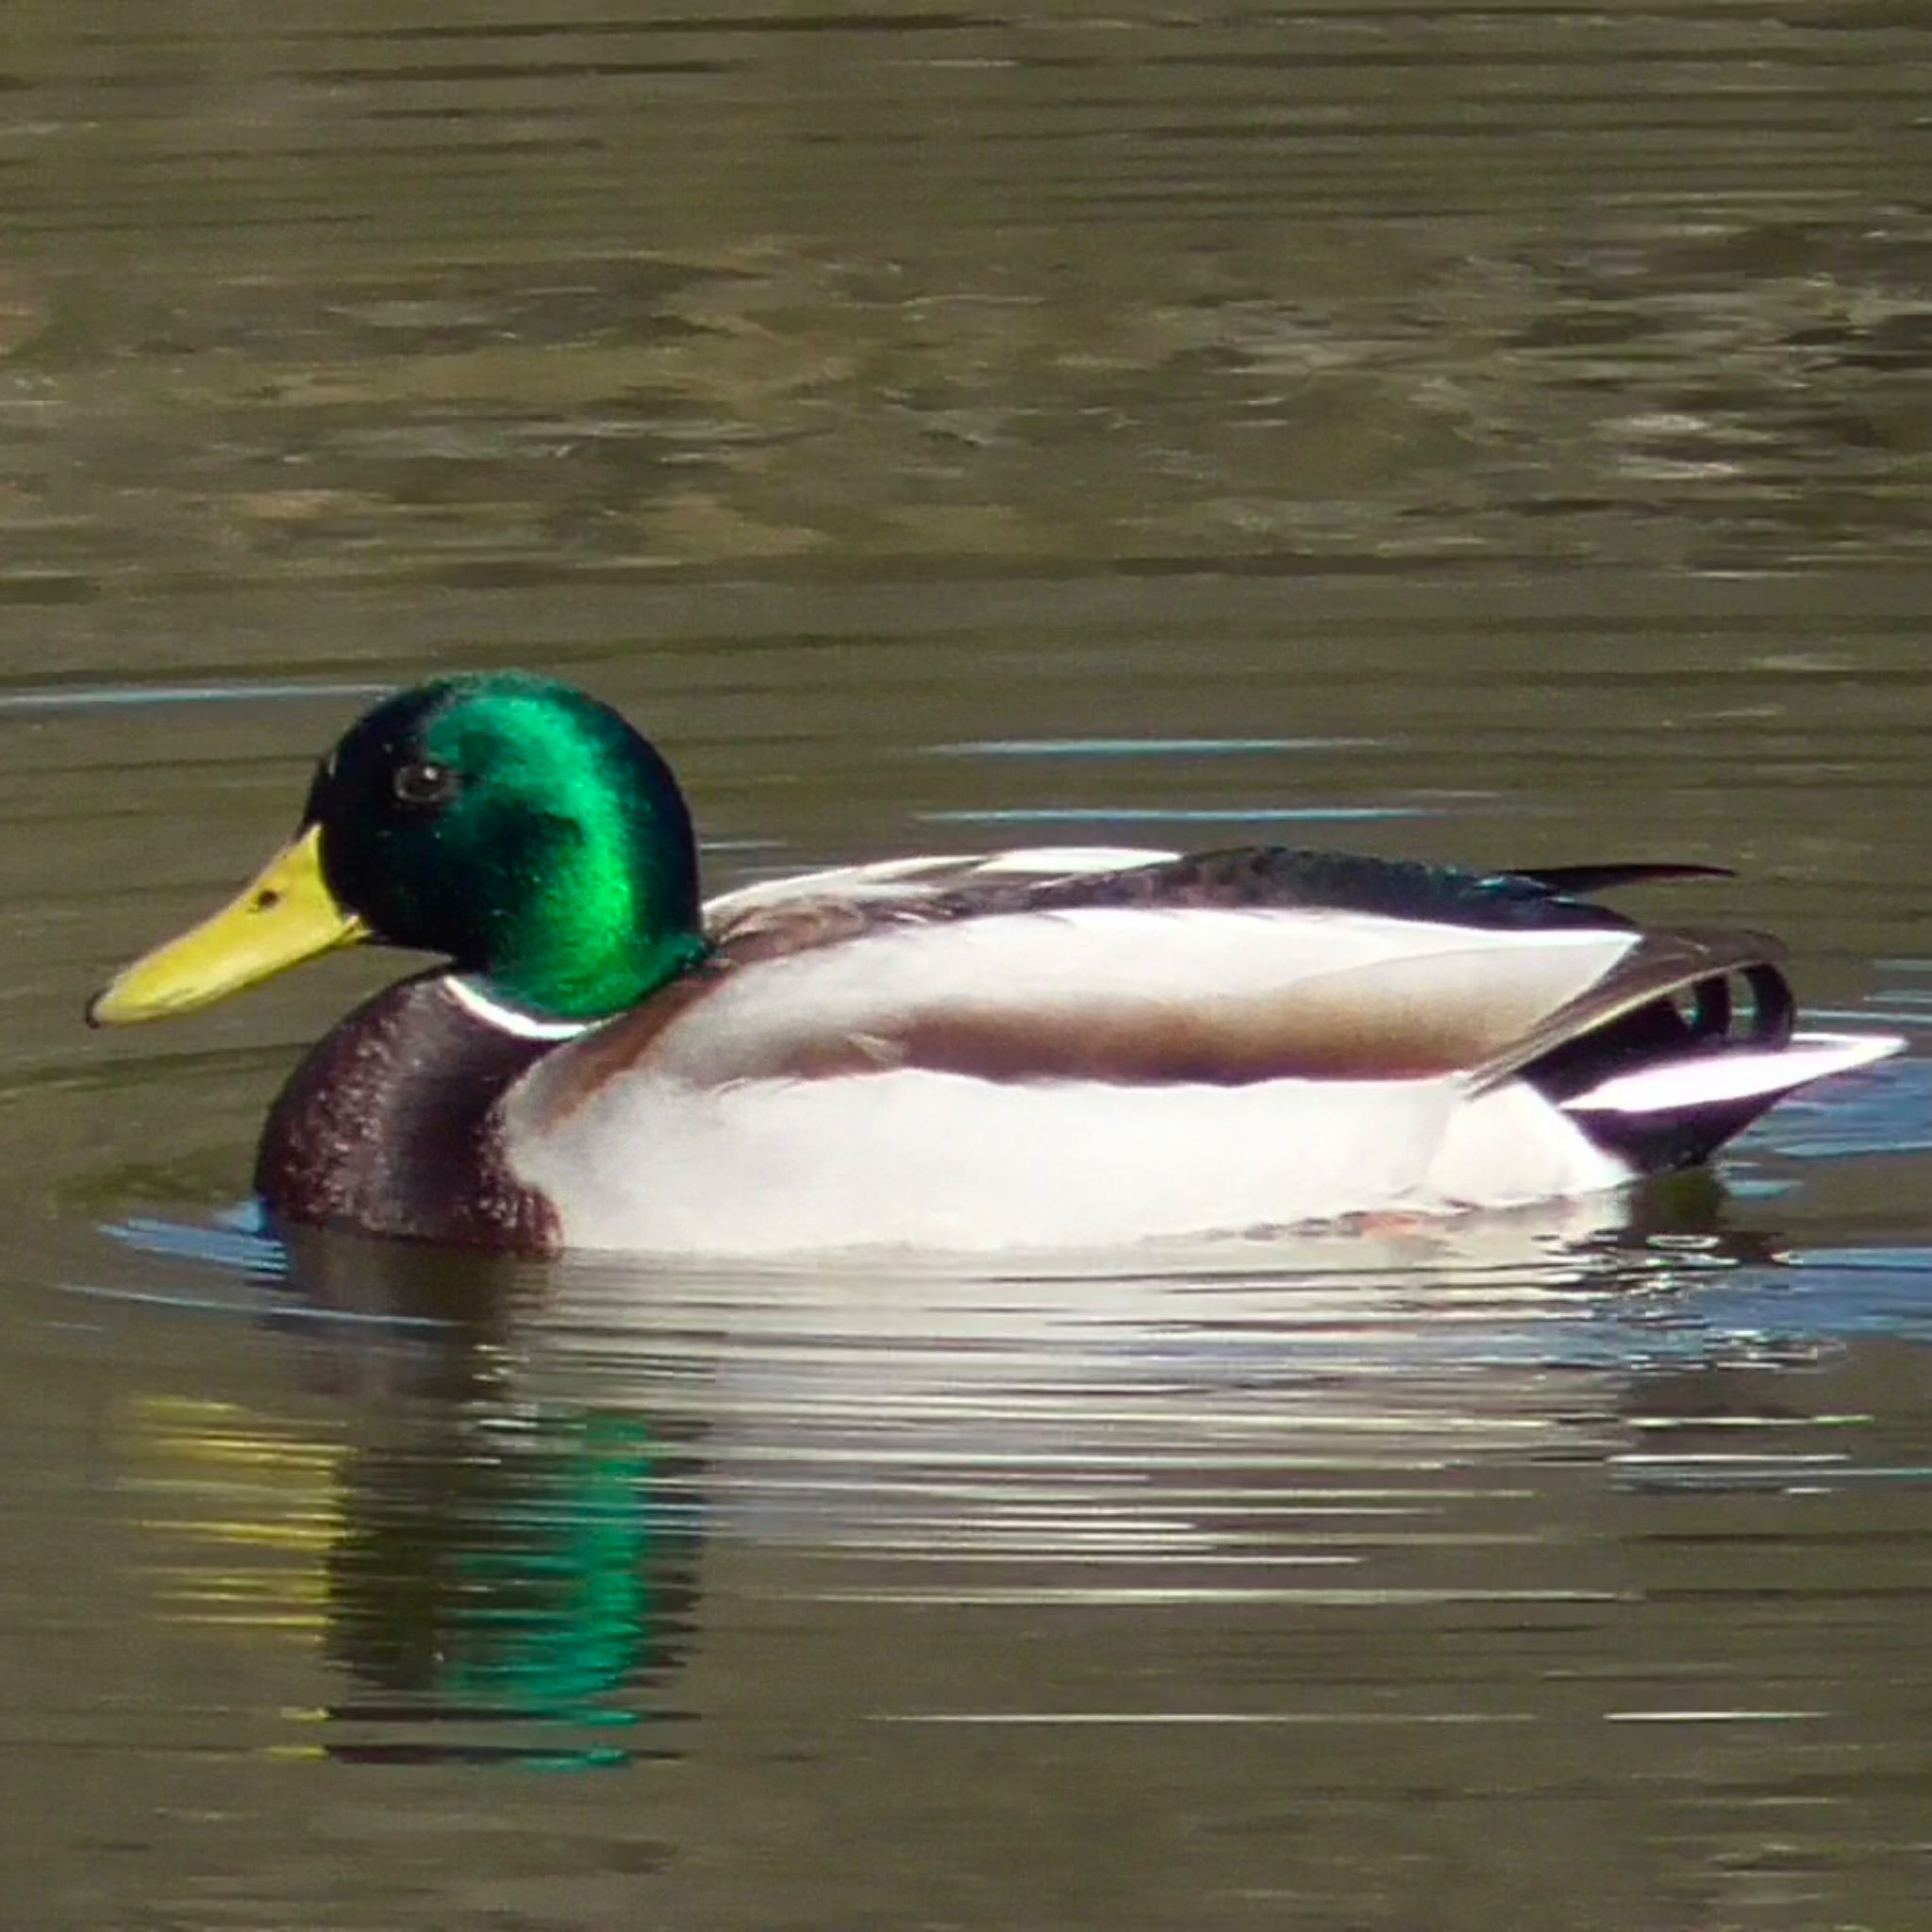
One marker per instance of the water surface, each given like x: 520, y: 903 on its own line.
x: 1489, y: 434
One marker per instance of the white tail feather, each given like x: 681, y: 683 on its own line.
x: 1739, y: 1073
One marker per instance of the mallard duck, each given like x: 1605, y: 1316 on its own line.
x: 1034, y: 1048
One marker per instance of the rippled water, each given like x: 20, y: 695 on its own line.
x: 1499, y: 434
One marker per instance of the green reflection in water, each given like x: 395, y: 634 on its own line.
x: 511, y: 1571
x: 497, y: 1577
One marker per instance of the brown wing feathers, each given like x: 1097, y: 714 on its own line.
x: 1386, y: 1020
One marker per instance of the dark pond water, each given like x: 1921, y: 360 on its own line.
x: 1502, y: 434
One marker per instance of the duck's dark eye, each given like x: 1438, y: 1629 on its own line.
x: 426, y: 782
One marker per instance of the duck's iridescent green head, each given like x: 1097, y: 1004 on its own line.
x: 521, y: 828
x: 514, y: 825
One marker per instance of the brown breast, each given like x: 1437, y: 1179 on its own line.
x: 389, y: 1125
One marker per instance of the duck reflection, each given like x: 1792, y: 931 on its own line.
x: 503, y: 1579
x: 490, y: 1519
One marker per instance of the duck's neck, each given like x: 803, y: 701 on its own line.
x: 589, y: 976
x: 595, y: 924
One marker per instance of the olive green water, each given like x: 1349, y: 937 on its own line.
x: 1501, y: 435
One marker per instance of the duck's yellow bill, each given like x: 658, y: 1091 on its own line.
x: 285, y: 914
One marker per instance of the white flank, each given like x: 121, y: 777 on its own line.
x: 1737, y: 1074
x: 943, y: 1162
